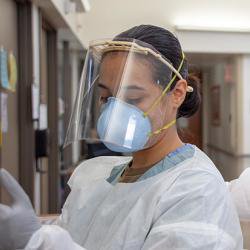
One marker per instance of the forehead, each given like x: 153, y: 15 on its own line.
x: 121, y: 67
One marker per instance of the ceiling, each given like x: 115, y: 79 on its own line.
x: 109, y: 17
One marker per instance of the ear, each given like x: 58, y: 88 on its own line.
x: 179, y: 93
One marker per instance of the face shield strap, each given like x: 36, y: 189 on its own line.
x: 111, y: 45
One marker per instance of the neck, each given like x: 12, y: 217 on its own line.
x: 150, y: 156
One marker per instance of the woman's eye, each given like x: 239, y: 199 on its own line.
x: 133, y: 101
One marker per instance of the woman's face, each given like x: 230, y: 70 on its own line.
x: 131, y: 79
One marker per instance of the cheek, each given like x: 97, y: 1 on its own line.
x: 157, y: 121
x: 157, y: 118
x: 161, y: 114
x: 167, y: 107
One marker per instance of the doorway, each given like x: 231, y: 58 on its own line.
x: 48, y: 161
x: 213, y: 127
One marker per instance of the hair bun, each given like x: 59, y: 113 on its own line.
x: 192, y: 101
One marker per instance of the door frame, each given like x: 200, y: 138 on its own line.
x: 25, y: 80
x: 52, y: 87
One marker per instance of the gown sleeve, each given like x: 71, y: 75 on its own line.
x: 240, y: 192
x: 196, y: 212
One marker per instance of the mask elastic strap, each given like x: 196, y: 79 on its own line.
x: 156, y: 102
x: 167, y: 126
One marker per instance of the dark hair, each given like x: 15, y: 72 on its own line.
x: 168, y: 45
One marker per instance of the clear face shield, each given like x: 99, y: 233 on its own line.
x: 122, y: 98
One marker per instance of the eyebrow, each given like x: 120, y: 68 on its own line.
x: 100, y: 85
x: 129, y: 87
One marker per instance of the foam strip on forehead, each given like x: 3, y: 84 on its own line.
x: 111, y: 45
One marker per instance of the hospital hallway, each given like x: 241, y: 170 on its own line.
x: 217, y: 128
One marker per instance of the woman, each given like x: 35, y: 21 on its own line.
x: 169, y: 195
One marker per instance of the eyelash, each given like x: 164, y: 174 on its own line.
x: 133, y: 101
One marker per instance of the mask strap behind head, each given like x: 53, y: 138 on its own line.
x: 156, y: 102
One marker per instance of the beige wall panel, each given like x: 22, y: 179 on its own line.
x: 8, y: 39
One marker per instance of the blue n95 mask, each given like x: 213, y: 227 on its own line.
x: 123, y: 127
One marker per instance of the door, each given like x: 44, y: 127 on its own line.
x: 48, y: 121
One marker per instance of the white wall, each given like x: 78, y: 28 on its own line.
x: 60, y: 16
x: 109, y: 17
x: 70, y: 20
x: 222, y: 135
x: 75, y: 54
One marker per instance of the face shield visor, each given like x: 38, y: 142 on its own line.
x: 122, y: 98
